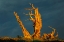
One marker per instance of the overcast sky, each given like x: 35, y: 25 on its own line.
x: 52, y: 13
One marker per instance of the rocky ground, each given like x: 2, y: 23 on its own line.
x: 8, y: 39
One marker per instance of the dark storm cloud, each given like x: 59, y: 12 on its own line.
x: 52, y: 12
x: 54, y: 16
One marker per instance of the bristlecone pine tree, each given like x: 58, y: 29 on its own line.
x: 35, y: 17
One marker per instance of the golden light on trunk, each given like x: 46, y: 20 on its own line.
x: 25, y: 32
